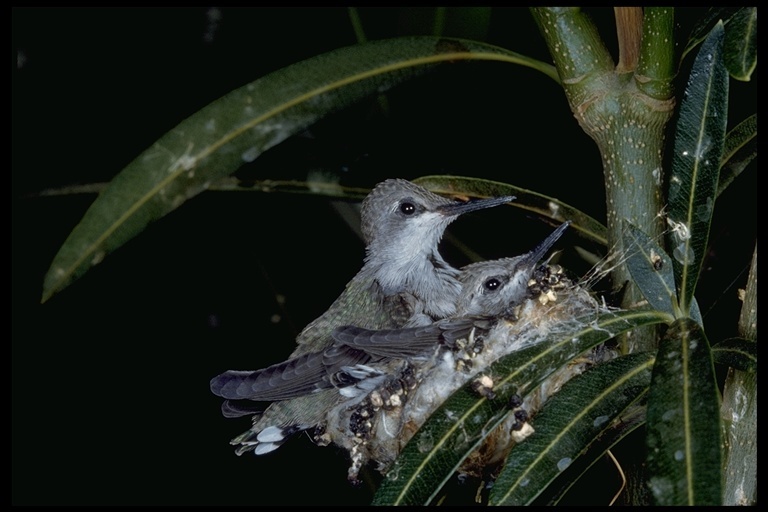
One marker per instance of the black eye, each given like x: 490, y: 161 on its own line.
x: 407, y: 208
x: 492, y: 284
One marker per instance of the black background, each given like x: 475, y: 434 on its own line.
x: 110, y: 399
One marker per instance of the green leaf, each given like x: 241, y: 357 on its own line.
x: 625, y: 424
x: 741, y: 44
x: 684, y: 430
x: 695, y: 312
x: 314, y: 188
x: 739, y: 150
x: 739, y: 353
x: 238, y: 127
x: 704, y: 26
x: 698, y: 147
x: 651, y: 269
x: 740, y: 50
x: 525, y: 199
x: 463, y: 421
x: 579, y: 413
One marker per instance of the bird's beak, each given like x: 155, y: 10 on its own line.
x: 535, y: 255
x: 457, y: 208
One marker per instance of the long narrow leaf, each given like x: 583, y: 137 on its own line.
x: 238, y: 127
x: 463, y: 421
x: 622, y: 427
x: 698, y: 147
x: 684, y: 431
x: 651, y: 270
x: 739, y: 150
x: 741, y: 44
x: 705, y: 24
x: 739, y: 353
x: 740, y: 25
x: 526, y: 199
x: 580, y: 412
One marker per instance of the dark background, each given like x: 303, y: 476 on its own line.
x: 110, y: 399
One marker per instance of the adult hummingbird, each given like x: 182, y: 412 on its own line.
x: 404, y: 282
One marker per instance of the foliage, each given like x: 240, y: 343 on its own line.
x: 667, y: 157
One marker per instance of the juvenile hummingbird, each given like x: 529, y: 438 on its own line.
x: 502, y: 305
x: 404, y: 282
x: 490, y: 290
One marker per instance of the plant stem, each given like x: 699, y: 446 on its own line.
x: 739, y: 412
x: 629, y: 23
x: 656, y: 66
x: 625, y: 122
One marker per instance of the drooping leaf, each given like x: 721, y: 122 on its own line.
x: 651, y: 270
x: 741, y: 43
x: 740, y: 51
x: 739, y: 150
x: 705, y: 24
x: 739, y: 353
x: 315, y: 188
x: 684, y: 431
x: 580, y: 412
x: 632, y: 418
x: 697, y: 150
x: 463, y: 421
x: 238, y: 127
x: 526, y: 199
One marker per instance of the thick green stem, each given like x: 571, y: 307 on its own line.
x: 626, y: 123
x: 628, y: 128
x: 575, y: 46
x: 656, y: 67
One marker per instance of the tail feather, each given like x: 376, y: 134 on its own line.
x: 265, y: 440
x: 281, y: 420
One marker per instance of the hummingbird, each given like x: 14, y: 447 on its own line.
x: 414, y: 370
x: 404, y: 282
x: 489, y: 290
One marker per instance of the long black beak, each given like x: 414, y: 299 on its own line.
x: 458, y: 208
x: 535, y: 255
